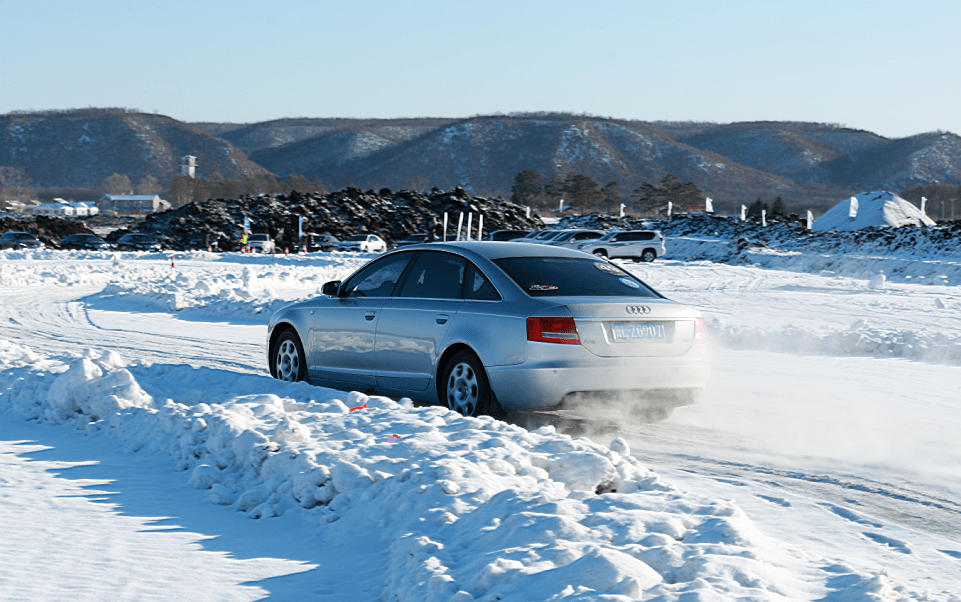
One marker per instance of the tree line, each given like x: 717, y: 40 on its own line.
x: 777, y: 208
x: 584, y: 193
x: 15, y: 184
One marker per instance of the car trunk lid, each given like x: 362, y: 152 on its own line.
x: 641, y: 328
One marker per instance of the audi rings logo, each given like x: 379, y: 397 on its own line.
x: 638, y: 310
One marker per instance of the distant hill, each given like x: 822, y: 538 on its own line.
x: 782, y: 148
x: 816, y: 153
x: 808, y: 165
x: 933, y: 158
x: 484, y: 154
x: 81, y: 148
x: 271, y: 134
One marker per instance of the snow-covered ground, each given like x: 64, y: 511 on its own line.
x: 146, y: 455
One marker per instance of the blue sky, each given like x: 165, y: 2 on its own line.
x: 888, y: 67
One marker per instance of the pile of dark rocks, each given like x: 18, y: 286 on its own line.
x: 218, y: 223
x: 50, y: 230
x: 787, y: 233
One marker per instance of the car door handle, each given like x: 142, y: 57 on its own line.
x: 442, y: 318
x: 370, y: 315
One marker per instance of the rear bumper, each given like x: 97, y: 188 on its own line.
x: 542, y: 383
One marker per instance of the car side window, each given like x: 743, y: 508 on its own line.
x: 479, y: 288
x: 379, y: 278
x: 436, y: 276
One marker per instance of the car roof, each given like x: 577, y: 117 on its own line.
x: 498, y: 250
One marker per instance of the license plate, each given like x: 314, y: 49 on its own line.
x: 637, y: 331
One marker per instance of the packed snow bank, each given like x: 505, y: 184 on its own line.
x: 870, y: 209
x: 241, y: 289
x: 434, y: 506
x: 228, y: 285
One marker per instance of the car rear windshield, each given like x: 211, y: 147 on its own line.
x: 572, y: 277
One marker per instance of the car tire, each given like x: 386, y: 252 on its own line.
x: 600, y: 253
x: 289, y: 362
x: 648, y: 256
x: 466, y: 389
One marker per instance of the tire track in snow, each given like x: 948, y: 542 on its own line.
x: 55, y: 322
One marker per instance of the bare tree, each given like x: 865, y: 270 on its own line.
x: 650, y: 197
x: 15, y: 183
x: 148, y: 185
x: 181, y: 191
x: 116, y: 184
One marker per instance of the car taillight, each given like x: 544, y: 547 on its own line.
x: 553, y: 330
x: 700, y: 331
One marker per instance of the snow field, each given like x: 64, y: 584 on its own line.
x: 423, y: 504
x: 249, y: 288
x: 461, y: 508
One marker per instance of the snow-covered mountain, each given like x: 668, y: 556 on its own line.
x: 732, y: 163
x: 80, y: 148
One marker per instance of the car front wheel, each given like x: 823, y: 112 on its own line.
x: 466, y: 389
x: 289, y: 360
x: 600, y: 253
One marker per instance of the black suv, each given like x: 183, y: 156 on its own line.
x: 84, y: 242
x: 138, y: 242
x: 19, y: 241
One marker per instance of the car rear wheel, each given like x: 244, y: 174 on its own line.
x: 466, y: 389
x: 289, y: 361
x: 648, y: 256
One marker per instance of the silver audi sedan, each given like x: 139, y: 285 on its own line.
x: 487, y: 327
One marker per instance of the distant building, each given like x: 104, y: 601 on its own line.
x: 12, y: 206
x: 132, y: 204
x: 85, y: 209
x: 61, y: 208
x: 188, y: 166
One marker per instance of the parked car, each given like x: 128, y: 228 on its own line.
x: 414, y: 239
x: 260, y: 243
x: 639, y: 245
x: 486, y: 326
x: 364, y: 243
x: 531, y: 235
x: 502, y: 235
x: 547, y: 236
x: 321, y: 242
x: 573, y: 239
x: 19, y: 241
x: 138, y: 242
x: 84, y: 242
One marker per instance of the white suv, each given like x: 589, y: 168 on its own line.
x: 639, y: 245
x: 260, y: 243
x: 364, y: 243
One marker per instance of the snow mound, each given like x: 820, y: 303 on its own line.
x: 452, y: 508
x: 859, y: 340
x: 870, y: 209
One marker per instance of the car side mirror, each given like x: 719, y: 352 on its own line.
x: 331, y: 288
